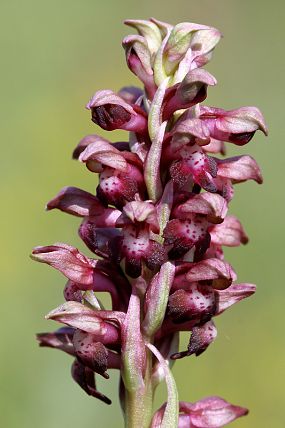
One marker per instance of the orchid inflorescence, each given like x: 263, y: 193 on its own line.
x: 157, y: 226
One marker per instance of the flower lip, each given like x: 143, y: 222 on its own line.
x: 197, y: 303
x: 202, y: 336
x: 85, y: 378
x: 90, y: 352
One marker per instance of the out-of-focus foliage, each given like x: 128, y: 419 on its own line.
x: 54, y: 55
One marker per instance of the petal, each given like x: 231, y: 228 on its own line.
x: 192, y: 90
x: 192, y: 84
x: 214, y: 252
x: 76, y: 202
x: 108, y: 97
x: 68, y: 260
x: 139, y: 61
x: 186, y: 130
x: 137, y: 46
x: 157, y: 418
x: 215, y: 146
x: 200, y: 51
x: 97, y: 239
x: 76, y: 315
x: 244, y: 119
x: 149, y: 30
x: 236, y: 126
x: 214, y: 412
x: 239, y: 168
x: 163, y: 27
x: 182, y: 37
x: 89, y: 139
x: 80, y: 316
x: 232, y: 295
x: 213, y: 206
x: 229, y: 233
x: 224, y: 187
x: 60, y: 339
x: 107, y: 219
x: 110, y: 112
x: 211, y: 412
x: 140, y: 212
x: 202, y: 45
x: 183, y: 420
x: 102, y: 153
x: 220, y: 273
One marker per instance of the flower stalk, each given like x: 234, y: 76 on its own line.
x: 156, y: 227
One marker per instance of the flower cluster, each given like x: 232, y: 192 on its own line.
x: 156, y: 226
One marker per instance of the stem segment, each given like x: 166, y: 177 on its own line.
x: 138, y: 403
x: 136, y: 367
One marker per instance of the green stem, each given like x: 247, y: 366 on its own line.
x: 138, y: 403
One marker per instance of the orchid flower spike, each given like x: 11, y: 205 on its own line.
x: 156, y: 227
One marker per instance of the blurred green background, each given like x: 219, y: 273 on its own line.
x: 55, y: 55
